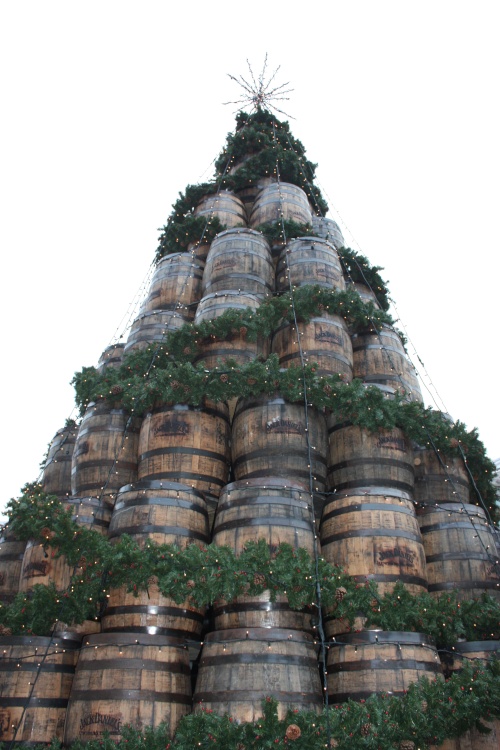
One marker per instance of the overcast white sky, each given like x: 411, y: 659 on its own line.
x: 110, y: 108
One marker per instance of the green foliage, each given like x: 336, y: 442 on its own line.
x: 283, y: 231
x: 206, y: 574
x: 359, y: 269
x: 259, y: 143
x: 177, y: 235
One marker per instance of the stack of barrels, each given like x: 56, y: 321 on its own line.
x: 229, y: 473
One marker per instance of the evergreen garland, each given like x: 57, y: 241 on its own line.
x: 259, y: 142
x: 429, y: 712
x: 358, y: 269
x: 206, y: 574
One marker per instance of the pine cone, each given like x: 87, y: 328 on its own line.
x: 424, y: 706
x: 224, y: 378
x: 292, y: 732
x: 190, y: 584
x: 327, y: 388
x: 366, y: 729
x: 187, y: 350
x: 174, y: 383
x: 340, y: 593
x: 116, y: 390
x: 82, y: 562
x: 251, y: 381
x: 243, y: 331
x: 333, y: 742
x: 4, y: 630
x: 406, y: 745
x: 46, y: 533
x: 259, y: 579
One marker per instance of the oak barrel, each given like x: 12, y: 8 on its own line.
x: 36, y: 674
x: 278, y: 511
x: 280, y: 200
x: 187, y: 444
x: 439, y: 479
x: 213, y: 351
x: 11, y: 560
x: 379, y: 357
x: 309, y: 260
x: 239, y: 259
x: 239, y: 668
x: 358, y: 458
x: 375, y: 536
x: 460, y: 550
x: 176, y: 285
x: 365, y: 292
x: 225, y: 206
x: 111, y: 357
x: 105, y: 455
x: 153, y: 328
x: 270, y: 438
x: 124, y: 678
x: 92, y: 512
x: 378, y: 661
x: 163, y: 513
x: 56, y: 478
x: 324, y: 340
x: 329, y: 230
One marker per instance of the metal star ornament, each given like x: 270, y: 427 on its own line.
x: 261, y: 93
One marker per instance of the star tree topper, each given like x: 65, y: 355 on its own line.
x: 260, y: 92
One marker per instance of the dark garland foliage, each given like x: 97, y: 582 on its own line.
x: 259, y: 142
x: 358, y: 268
x: 428, y: 712
x: 177, y: 235
x: 281, y: 232
x: 206, y: 574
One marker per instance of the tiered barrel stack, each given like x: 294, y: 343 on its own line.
x: 230, y: 473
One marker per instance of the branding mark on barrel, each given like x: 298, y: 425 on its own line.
x: 326, y: 335
x: 112, y: 722
x: 172, y: 427
x: 392, y: 442
x: 224, y: 263
x: 36, y: 568
x: 285, y: 426
x: 396, y: 556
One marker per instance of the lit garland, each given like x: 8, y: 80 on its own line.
x: 206, y: 574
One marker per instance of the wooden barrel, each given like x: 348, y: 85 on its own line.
x: 375, y: 536
x: 56, y: 478
x: 269, y: 438
x: 239, y: 259
x: 105, y: 455
x: 176, y: 285
x: 324, y: 340
x: 460, y: 550
x: 111, y: 357
x: 364, y: 291
x: 225, y: 206
x: 309, y: 260
x: 42, y: 566
x: 239, y: 668
x: 164, y: 513
x: 329, y: 230
x: 11, y: 560
x: 280, y: 200
x: 187, y: 444
x: 358, y: 458
x: 152, y: 328
x: 123, y: 678
x: 199, y: 250
x: 36, y: 674
x: 278, y: 511
x: 381, y: 358
x: 213, y: 352
x: 378, y: 661
x: 439, y: 479
x: 91, y: 512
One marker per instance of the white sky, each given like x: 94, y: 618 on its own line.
x: 110, y: 108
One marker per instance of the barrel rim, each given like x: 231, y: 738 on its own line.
x: 403, y: 637
x: 258, y: 634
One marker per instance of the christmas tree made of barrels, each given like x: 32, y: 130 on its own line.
x: 252, y: 401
